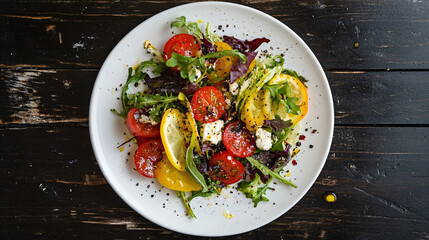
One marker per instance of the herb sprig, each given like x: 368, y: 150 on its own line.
x: 194, y: 68
x: 190, y: 26
x: 281, y: 95
x: 155, y: 103
x: 265, y: 170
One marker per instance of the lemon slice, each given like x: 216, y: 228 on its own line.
x: 297, y: 90
x: 172, y: 132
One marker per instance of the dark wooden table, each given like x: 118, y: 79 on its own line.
x: 375, y: 55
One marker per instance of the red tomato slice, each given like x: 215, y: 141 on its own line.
x: 138, y: 129
x: 183, y: 44
x: 224, y: 168
x: 208, y: 104
x: 147, y: 156
x: 238, y: 140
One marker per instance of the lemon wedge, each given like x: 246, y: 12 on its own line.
x: 172, y: 130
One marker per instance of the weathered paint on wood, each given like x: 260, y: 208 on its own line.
x: 62, y: 96
x: 73, y: 34
x: 58, y: 190
x: 53, y: 188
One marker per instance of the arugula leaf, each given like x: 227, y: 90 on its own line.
x: 194, y: 68
x: 213, y: 188
x: 182, y: 196
x: 155, y: 105
x: 190, y: 164
x: 158, y: 67
x: 225, y: 53
x: 251, y: 189
x: 190, y: 26
x: 281, y: 136
x: 265, y: 170
x: 129, y: 101
x: 275, y: 61
x: 126, y: 106
x: 294, y: 74
x: 261, y: 191
x: 280, y: 94
x: 291, y: 105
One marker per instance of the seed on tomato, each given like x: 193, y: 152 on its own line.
x: 208, y: 104
x: 238, y: 140
x: 137, y: 129
x: 183, y: 44
x: 147, y: 156
x: 224, y: 168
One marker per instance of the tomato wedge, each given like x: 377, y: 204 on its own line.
x: 238, y: 140
x: 138, y: 129
x: 147, y: 156
x: 208, y: 104
x: 224, y: 168
x: 183, y: 44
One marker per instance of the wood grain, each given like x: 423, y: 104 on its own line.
x: 62, y: 95
x: 375, y: 55
x: 57, y: 189
x: 67, y: 34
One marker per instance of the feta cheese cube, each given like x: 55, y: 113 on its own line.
x: 145, y: 119
x: 263, y: 139
x: 233, y: 88
x: 212, y: 132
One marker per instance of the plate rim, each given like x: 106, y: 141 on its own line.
x: 96, y: 145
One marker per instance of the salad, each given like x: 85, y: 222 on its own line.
x: 207, y: 113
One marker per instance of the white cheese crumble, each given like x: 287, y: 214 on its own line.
x: 263, y: 139
x: 233, y: 88
x: 197, y: 73
x: 145, y: 119
x: 212, y: 132
x: 137, y: 87
x: 228, y: 103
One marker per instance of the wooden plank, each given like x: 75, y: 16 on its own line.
x: 45, y: 96
x: 62, y: 95
x: 52, y: 187
x: 67, y: 34
x: 380, y: 97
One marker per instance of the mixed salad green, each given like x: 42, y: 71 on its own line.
x: 213, y: 114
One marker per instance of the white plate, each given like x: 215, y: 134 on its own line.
x: 160, y: 205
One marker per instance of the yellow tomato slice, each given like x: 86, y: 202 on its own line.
x: 174, y: 179
x: 223, y: 65
x: 297, y: 90
x: 252, y: 113
x: 173, y: 130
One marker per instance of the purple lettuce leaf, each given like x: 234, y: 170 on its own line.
x: 208, y: 47
x: 250, y: 171
x: 274, y: 160
x: 240, y: 69
x: 190, y: 88
x: 255, y: 43
x: 277, y: 125
x: 236, y: 43
x: 203, y: 166
x: 169, y: 82
x: 246, y: 45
